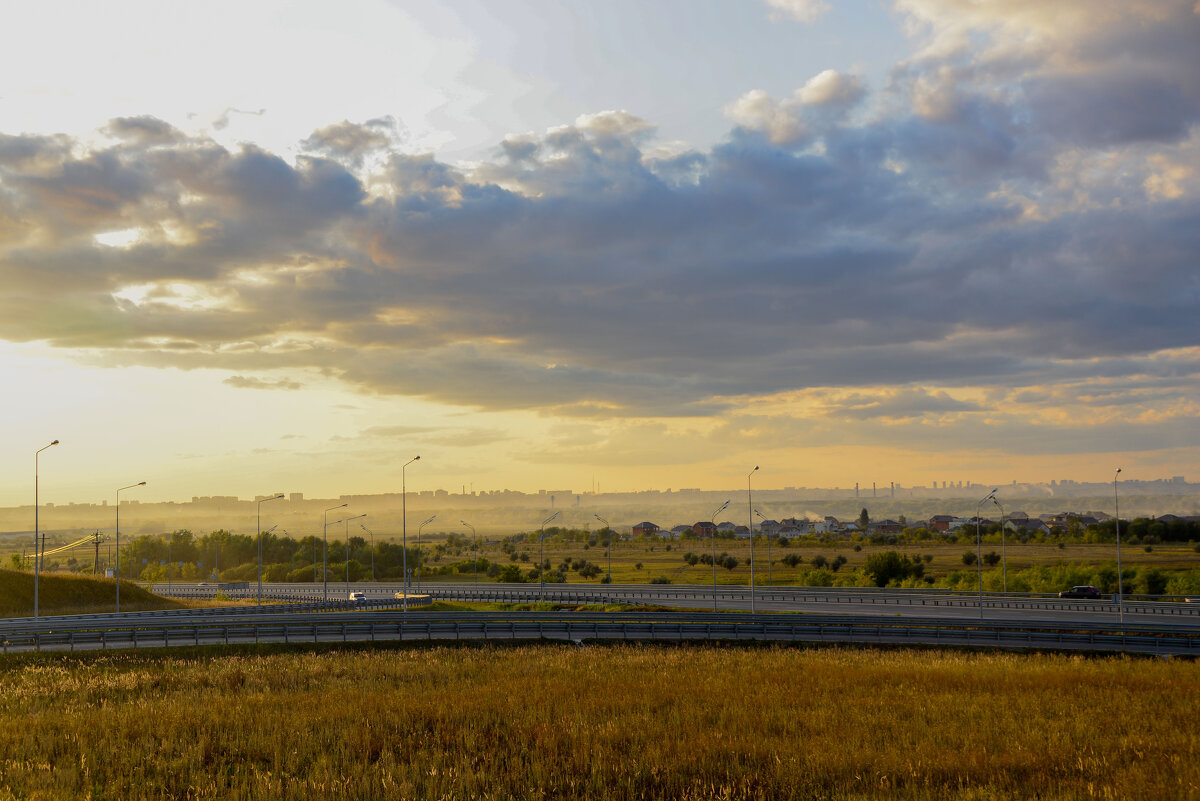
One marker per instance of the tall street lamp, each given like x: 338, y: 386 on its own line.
x: 979, y: 544
x: 1117, y: 522
x: 766, y: 534
x: 346, y: 532
x: 117, y: 564
x: 37, y: 549
x: 258, y: 528
x: 404, y: 523
x: 1003, y: 549
x: 424, y: 523
x: 609, y: 548
x: 713, y: 519
x: 325, y: 549
x: 372, y: 533
x: 750, y: 515
x: 542, y: 556
x: 475, y: 537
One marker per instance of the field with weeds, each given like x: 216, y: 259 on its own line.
x: 599, y: 722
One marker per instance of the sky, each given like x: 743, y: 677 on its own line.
x: 596, y: 244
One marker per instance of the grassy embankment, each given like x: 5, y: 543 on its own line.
x: 64, y: 594
x: 620, y: 722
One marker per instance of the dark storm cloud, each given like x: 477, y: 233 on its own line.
x: 940, y: 241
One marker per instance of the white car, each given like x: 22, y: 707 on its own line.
x: 358, y: 597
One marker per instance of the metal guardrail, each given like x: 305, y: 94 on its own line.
x: 362, y: 626
x: 647, y: 593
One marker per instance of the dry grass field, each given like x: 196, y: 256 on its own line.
x: 619, y: 722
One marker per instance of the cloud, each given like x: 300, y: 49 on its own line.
x: 961, y: 233
x: 799, y: 10
x: 245, y: 382
x: 352, y: 143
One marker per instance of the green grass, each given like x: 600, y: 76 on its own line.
x: 617, y: 722
x: 65, y: 594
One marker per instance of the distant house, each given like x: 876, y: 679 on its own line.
x: 741, y: 532
x: 679, y: 531
x: 704, y: 528
x: 940, y: 522
x: 1031, y: 525
x: 886, y: 527
x: 645, y: 527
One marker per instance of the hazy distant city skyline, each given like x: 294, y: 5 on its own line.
x: 611, y: 243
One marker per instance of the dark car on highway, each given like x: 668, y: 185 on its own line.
x: 1081, y: 592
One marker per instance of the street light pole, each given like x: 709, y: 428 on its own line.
x: 37, y: 549
x: 117, y: 563
x: 609, y: 548
x: 325, y: 549
x: 979, y: 544
x: 423, y: 524
x: 1117, y: 522
x: 346, y: 532
x: 750, y: 515
x: 258, y: 529
x: 766, y: 534
x: 372, y: 533
x: 1003, y: 549
x: 542, y: 556
x: 713, y: 519
x: 404, y: 522
x: 475, y: 537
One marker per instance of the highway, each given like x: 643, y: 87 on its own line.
x: 845, y: 600
x: 296, y: 613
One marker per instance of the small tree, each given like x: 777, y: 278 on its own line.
x: 864, y: 519
x: 969, y: 558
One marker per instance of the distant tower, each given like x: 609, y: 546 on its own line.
x: 893, y: 489
x: 856, y: 490
x: 873, y: 493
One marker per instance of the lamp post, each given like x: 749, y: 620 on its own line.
x: 766, y: 534
x: 372, y: 533
x: 346, y: 532
x: 1117, y: 523
x: 325, y: 550
x: 609, y: 548
x: 117, y: 563
x: 258, y: 528
x: 713, y: 519
x: 424, y: 523
x: 37, y: 550
x: 979, y: 544
x: 1003, y: 549
x: 542, y: 556
x: 475, y: 537
x: 404, y: 522
x: 750, y: 516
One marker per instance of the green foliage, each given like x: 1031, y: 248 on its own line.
x: 969, y: 558
x: 891, y: 567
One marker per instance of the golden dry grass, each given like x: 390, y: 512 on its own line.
x: 621, y: 722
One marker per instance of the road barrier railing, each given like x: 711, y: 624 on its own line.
x: 360, y: 625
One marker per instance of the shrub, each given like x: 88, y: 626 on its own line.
x: 660, y: 580
x: 991, y: 558
x: 969, y: 558
x: 883, y: 568
x: 638, y: 566
x: 510, y: 574
x: 857, y: 548
x: 837, y: 563
x: 819, y: 561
